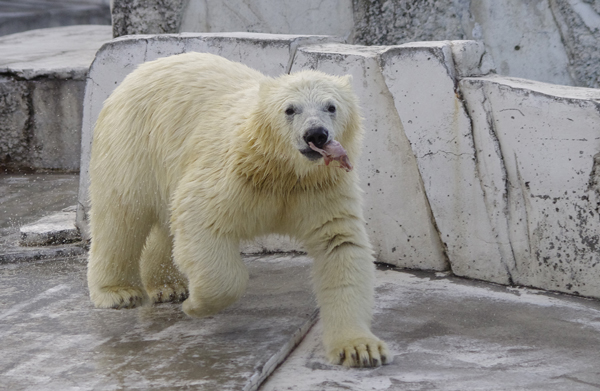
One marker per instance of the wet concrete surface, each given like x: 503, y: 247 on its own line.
x: 54, y: 339
x: 25, y: 198
x: 446, y: 333
x: 453, y: 334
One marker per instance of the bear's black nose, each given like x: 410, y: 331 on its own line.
x: 317, y: 136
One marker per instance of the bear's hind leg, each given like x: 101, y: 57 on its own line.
x: 216, y: 275
x: 113, y: 266
x: 161, y: 278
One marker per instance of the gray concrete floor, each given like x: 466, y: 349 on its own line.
x: 25, y: 198
x: 446, y: 333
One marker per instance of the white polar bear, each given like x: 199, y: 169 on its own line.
x: 193, y: 153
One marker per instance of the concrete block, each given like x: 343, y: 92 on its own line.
x: 421, y: 79
x: 14, y: 122
x: 146, y: 16
x: 523, y: 39
x: 57, y: 112
x: 537, y: 151
x: 327, y: 17
x: 268, y: 53
x: 42, y: 84
x: 398, y: 217
x: 58, y: 228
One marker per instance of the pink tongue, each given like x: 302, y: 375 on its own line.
x: 333, y: 151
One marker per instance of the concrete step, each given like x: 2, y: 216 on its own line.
x: 42, y: 83
x: 24, y: 199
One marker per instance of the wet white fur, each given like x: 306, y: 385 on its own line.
x: 193, y: 153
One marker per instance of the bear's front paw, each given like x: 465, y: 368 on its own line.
x: 168, y: 293
x: 118, y: 297
x: 359, y: 352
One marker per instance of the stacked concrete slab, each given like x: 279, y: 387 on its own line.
x: 42, y: 81
x: 493, y: 178
x: 554, y: 41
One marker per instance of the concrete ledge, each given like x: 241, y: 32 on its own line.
x: 58, y: 228
x: 42, y: 81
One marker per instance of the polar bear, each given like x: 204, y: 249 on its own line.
x: 193, y: 153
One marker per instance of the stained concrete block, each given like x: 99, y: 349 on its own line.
x: 397, y: 213
x: 420, y: 78
x: 268, y: 53
x: 57, y: 112
x: 14, y: 122
x: 537, y: 147
x: 42, y: 84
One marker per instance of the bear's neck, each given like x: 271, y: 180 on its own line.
x: 263, y: 162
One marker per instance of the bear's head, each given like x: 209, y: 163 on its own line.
x: 304, y: 108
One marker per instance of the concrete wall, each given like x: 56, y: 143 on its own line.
x: 42, y: 82
x: 495, y: 178
x: 554, y: 41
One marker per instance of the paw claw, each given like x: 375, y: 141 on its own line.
x: 360, y: 352
x: 168, y: 293
x: 117, y: 297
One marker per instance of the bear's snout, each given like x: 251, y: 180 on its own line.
x: 318, y: 136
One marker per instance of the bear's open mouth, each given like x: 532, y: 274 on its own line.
x: 310, y: 154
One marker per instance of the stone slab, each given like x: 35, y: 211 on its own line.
x: 421, y: 80
x: 60, y: 52
x: 58, y: 228
x: 397, y: 214
x: 54, y: 339
x: 326, y: 17
x: 42, y: 82
x: 451, y: 334
x: 537, y: 147
x: 523, y: 39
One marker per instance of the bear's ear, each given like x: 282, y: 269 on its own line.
x: 347, y: 80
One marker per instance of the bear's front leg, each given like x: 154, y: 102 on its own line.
x: 216, y: 275
x: 344, y: 279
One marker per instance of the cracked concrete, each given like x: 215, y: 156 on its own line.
x: 547, y: 138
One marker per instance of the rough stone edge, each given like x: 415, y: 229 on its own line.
x: 264, y: 371
x: 41, y: 253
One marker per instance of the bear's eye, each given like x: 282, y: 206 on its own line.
x: 331, y: 108
x: 290, y: 111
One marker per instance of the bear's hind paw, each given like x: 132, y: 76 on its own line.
x: 118, y: 297
x: 360, y: 352
x: 168, y: 293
